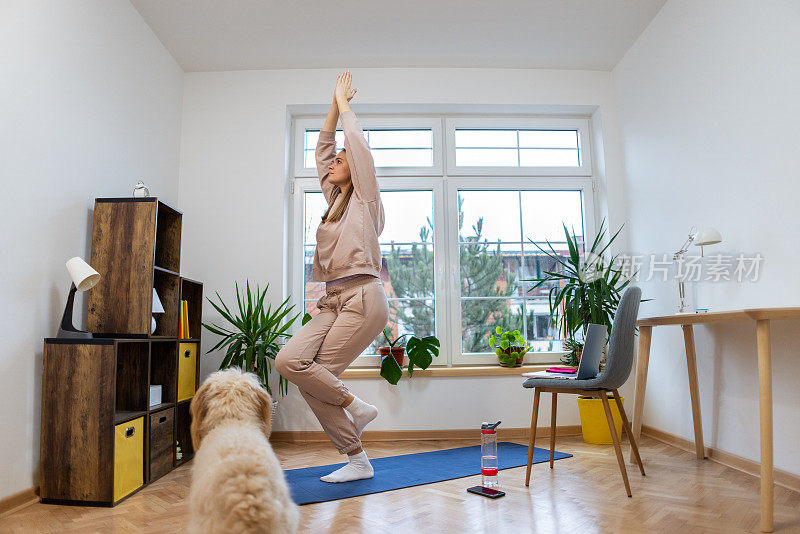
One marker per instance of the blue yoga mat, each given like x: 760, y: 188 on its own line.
x: 407, y: 470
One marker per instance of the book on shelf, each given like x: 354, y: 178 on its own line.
x: 185, y: 334
x: 188, y: 333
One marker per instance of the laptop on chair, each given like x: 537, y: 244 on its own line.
x: 589, y: 366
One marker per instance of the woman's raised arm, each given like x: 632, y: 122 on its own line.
x: 362, y: 166
x: 326, y: 150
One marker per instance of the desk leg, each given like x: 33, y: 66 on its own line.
x: 765, y: 405
x: 691, y: 365
x: 642, y: 361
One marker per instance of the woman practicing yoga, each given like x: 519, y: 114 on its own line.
x: 354, y: 309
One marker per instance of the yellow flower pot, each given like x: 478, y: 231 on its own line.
x: 594, y: 424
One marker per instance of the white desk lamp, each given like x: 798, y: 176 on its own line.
x: 157, y: 308
x: 706, y: 236
x: 84, y: 277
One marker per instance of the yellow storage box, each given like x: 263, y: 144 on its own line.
x: 128, y: 457
x: 594, y: 424
x: 187, y: 370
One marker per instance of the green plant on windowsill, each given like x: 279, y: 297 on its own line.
x: 252, y: 340
x: 421, y: 352
x: 395, y: 347
x: 507, y: 354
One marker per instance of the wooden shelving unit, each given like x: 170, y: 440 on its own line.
x: 101, y: 439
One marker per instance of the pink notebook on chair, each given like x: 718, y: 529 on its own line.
x: 565, y: 370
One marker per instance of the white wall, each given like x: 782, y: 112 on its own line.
x: 235, y: 202
x: 709, y: 110
x: 90, y: 103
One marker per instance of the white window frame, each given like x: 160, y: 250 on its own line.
x: 375, y: 123
x: 499, y: 183
x: 445, y: 181
x: 520, y: 123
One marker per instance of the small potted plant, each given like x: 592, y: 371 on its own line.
x: 421, y: 352
x: 508, y: 354
x: 395, y: 348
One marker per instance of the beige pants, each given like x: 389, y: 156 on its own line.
x: 351, y: 316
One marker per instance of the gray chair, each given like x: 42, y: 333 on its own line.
x: 618, y: 367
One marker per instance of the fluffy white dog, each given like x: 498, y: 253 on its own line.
x: 238, y: 485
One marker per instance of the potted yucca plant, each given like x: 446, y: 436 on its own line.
x: 586, y: 288
x: 255, y: 335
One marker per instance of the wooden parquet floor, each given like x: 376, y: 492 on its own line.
x: 581, y: 494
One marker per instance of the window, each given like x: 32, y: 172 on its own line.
x: 498, y: 234
x: 517, y: 148
x: 390, y: 148
x: 520, y: 147
x: 462, y: 225
x: 400, y: 146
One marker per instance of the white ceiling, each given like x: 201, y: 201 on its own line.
x: 212, y: 35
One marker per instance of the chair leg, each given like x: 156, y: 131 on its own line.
x: 615, y: 439
x: 553, y: 429
x: 627, y: 427
x: 534, y: 416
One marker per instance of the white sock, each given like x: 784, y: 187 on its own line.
x: 361, y: 413
x: 357, y: 468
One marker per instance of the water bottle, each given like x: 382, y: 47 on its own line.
x: 489, y: 459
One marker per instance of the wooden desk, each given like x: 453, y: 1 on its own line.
x: 762, y: 317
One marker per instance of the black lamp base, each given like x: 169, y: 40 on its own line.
x: 66, y: 330
x: 73, y: 334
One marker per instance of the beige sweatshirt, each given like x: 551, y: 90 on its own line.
x: 350, y: 245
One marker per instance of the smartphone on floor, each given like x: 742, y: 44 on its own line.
x: 487, y: 492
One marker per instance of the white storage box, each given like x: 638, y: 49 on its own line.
x: 155, y: 395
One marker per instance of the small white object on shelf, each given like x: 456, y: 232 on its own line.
x: 155, y: 395
x: 141, y: 190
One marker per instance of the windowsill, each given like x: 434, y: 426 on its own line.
x: 469, y: 370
